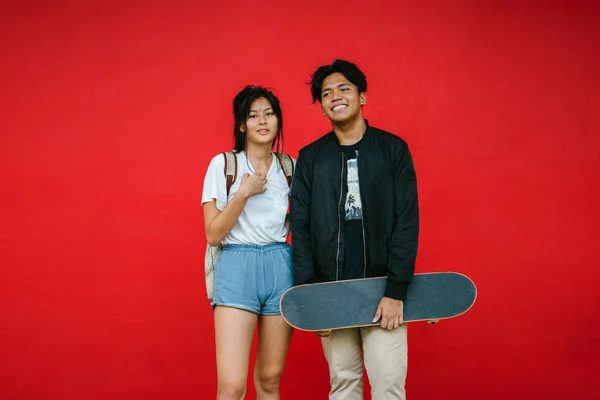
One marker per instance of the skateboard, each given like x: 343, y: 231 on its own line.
x: 352, y: 303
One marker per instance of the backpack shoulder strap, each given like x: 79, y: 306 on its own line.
x: 287, y: 165
x: 230, y: 169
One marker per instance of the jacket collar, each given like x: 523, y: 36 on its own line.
x: 337, y: 141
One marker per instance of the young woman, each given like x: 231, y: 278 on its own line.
x: 254, y: 268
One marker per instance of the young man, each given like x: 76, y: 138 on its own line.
x: 355, y: 214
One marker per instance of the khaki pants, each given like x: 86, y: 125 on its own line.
x: 385, y: 355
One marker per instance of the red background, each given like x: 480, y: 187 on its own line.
x: 112, y: 110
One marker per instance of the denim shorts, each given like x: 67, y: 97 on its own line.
x: 253, y: 277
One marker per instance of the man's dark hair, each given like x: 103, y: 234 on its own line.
x: 346, y: 68
x: 241, y: 108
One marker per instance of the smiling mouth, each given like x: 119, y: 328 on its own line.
x: 339, y: 107
x: 263, y: 131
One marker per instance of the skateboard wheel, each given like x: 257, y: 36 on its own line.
x: 433, y: 321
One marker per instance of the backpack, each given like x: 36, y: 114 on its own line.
x: 230, y: 172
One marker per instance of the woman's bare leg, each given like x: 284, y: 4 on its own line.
x: 274, y: 336
x: 234, y: 330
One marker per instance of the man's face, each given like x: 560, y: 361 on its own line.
x: 340, y: 100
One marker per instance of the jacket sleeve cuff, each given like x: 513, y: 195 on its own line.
x: 395, y: 290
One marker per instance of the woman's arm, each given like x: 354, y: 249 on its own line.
x: 217, y: 224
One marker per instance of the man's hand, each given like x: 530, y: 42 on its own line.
x: 391, y: 313
x: 323, y: 333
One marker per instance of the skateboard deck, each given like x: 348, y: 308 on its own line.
x: 352, y: 303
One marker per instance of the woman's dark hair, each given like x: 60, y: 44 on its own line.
x: 241, y: 108
x: 346, y: 68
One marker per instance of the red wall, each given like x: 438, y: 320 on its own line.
x: 111, y: 112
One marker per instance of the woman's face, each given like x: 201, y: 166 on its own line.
x: 261, y: 123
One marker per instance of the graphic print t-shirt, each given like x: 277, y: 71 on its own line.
x: 353, y: 266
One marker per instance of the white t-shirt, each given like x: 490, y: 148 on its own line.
x: 262, y: 220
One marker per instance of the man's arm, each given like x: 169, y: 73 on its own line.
x: 300, y: 211
x: 405, y: 238
x: 405, y: 235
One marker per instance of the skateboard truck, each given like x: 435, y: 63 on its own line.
x: 433, y: 321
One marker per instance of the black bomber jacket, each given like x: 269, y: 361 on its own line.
x: 388, y: 187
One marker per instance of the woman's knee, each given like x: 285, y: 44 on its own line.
x: 269, y: 380
x: 231, y: 391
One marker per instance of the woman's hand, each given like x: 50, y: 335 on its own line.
x: 252, y: 184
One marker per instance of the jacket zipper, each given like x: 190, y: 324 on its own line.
x: 362, y: 220
x: 337, y: 257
